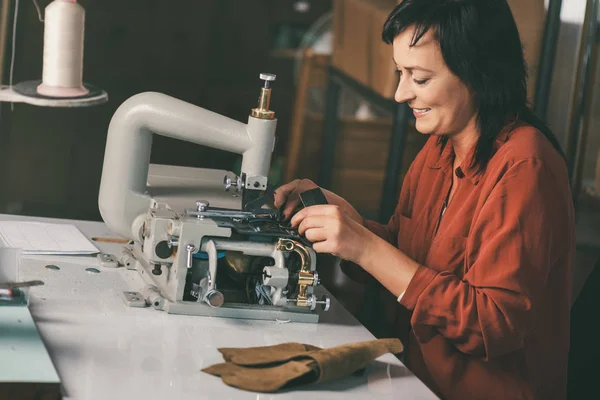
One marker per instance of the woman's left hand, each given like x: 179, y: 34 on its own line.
x: 332, y: 231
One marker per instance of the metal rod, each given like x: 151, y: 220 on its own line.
x: 547, y: 57
x: 394, y: 163
x: 264, y: 101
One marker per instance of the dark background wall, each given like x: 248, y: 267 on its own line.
x: 206, y: 52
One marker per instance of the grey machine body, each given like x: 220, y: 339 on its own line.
x: 153, y: 206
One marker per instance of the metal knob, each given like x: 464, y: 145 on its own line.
x: 268, y: 78
x: 214, y: 298
x: 229, y: 183
x: 325, y: 302
x: 264, y: 100
x: 202, y: 205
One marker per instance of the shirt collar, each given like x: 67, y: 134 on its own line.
x: 444, y: 158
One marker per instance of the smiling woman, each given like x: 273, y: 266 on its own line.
x: 471, y: 57
x: 441, y: 102
x: 480, y: 249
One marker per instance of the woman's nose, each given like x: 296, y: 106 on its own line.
x: 404, y: 92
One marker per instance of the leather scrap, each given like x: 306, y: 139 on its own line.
x: 287, y: 365
x: 255, y: 356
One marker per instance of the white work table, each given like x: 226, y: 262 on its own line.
x: 103, y: 349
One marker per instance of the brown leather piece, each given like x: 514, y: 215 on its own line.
x: 344, y: 360
x: 265, y: 379
x: 255, y: 356
x: 270, y: 368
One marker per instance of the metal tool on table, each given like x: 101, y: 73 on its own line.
x: 17, y: 285
x: 11, y: 292
x: 225, y: 252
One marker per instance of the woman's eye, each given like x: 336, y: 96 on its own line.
x: 421, y: 81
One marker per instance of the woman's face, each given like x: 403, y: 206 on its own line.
x: 441, y: 102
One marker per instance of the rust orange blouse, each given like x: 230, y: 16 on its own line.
x: 490, y: 304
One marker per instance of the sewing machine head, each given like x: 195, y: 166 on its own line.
x: 209, y: 257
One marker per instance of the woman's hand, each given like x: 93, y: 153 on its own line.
x: 289, y: 195
x: 333, y: 231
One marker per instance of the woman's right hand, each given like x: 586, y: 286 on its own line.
x: 288, y: 196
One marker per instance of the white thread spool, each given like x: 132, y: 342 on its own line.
x: 63, y: 50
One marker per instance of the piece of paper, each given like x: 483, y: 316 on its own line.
x: 44, y: 238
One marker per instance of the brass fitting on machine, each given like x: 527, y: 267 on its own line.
x: 264, y: 101
x: 306, y: 277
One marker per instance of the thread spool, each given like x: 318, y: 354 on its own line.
x: 63, y: 50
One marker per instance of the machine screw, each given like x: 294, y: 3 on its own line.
x: 316, y: 280
x: 173, y: 242
x: 229, y: 183
x: 190, y: 250
x: 202, y: 205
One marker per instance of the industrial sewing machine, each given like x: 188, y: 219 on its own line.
x: 228, y: 253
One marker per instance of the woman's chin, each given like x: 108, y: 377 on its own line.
x: 424, y: 130
x: 427, y: 130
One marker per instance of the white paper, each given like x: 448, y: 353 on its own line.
x: 43, y: 238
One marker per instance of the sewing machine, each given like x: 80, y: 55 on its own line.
x: 228, y: 253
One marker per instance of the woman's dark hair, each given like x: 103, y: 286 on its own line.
x: 480, y: 44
